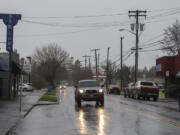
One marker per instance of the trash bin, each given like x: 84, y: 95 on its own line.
x: 50, y: 87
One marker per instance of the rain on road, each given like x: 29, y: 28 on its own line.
x: 118, y: 117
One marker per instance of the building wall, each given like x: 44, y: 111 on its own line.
x: 168, y: 63
x: 177, y: 64
x: 5, y: 85
x: 4, y: 76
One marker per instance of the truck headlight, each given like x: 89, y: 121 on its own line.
x: 81, y: 91
x: 100, y: 90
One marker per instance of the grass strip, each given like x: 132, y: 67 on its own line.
x: 49, y: 96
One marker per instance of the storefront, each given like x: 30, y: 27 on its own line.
x: 5, y: 91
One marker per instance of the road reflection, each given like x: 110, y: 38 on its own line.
x: 101, y: 121
x: 91, y: 120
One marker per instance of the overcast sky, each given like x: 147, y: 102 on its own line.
x: 81, y: 25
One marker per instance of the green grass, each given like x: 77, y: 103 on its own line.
x: 49, y: 96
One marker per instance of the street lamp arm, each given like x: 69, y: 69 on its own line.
x: 127, y: 31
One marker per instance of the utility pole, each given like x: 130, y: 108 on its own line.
x: 30, y: 60
x: 85, y: 56
x: 95, y: 52
x: 89, y: 62
x: 137, y: 14
x: 121, y: 63
x: 98, y: 61
x: 107, y: 71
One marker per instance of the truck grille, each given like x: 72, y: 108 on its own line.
x: 91, y: 91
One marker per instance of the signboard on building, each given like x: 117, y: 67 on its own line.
x: 27, y: 68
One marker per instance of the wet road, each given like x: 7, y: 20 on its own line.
x: 118, y: 117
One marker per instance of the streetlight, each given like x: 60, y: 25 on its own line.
x: 29, y: 58
x: 128, y: 31
x: 136, y: 49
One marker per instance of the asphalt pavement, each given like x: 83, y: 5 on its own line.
x: 10, y: 113
x: 119, y: 116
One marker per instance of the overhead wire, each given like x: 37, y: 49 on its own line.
x: 97, y: 25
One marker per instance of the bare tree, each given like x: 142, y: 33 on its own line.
x: 171, y: 40
x: 50, y: 62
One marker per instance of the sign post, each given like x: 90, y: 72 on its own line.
x: 10, y: 20
x: 166, y: 81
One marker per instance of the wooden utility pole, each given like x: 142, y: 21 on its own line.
x: 89, y: 62
x: 85, y: 56
x: 107, y: 71
x: 137, y: 14
x: 121, y: 63
x: 95, y: 53
x: 98, y: 58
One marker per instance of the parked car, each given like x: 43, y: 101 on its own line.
x: 128, y: 90
x: 25, y: 87
x: 89, y: 90
x: 114, y: 89
x: 146, y: 90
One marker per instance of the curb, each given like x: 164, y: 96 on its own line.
x: 10, y: 131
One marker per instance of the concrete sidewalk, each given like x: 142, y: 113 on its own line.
x: 9, y: 110
x: 170, y: 104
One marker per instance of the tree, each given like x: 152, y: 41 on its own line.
x: 80, y: 73
x: 50, y: 63
x: 171, y: 40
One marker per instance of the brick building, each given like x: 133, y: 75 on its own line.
x: 168, y: 66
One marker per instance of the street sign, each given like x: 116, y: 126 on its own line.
x: 10, y: 20
x: 167, y: 73
x: 9, y: 40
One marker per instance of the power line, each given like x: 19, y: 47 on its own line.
x: 153, y: 38
x: 96, y: 24
x: 152, y: 44
x: 165, y: 48
x: 75, y: 17
x: 126, y: 55
x: 94, y: 16
x: 164, y: 14
x: 56, y: 34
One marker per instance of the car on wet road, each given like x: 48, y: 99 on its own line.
x: 146, y: 90
x: 89, y: 90
x: 114, y: 89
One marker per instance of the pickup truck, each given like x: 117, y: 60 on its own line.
x: 146, y: 90
x: 89, y: 90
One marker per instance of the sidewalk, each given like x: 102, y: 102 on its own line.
x: 9, y: 110
x: 170, y: 104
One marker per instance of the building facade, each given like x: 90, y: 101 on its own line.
x: 9, y: 90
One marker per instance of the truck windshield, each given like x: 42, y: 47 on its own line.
x: 147, y: 84
x: 88, y: 84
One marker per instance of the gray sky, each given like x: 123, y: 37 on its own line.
x: 96, y: 27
